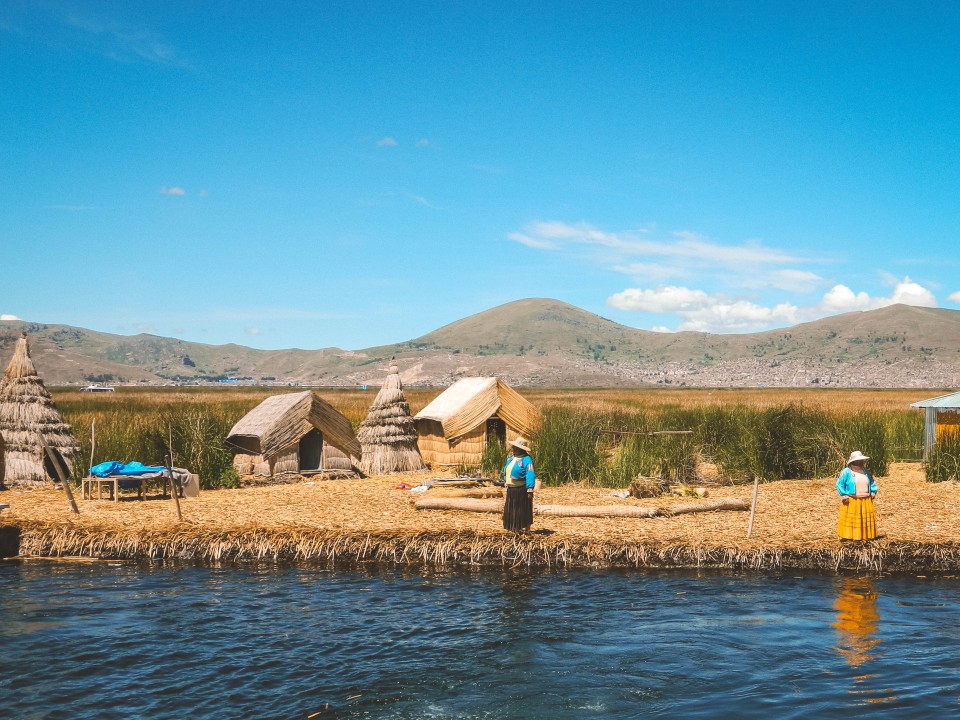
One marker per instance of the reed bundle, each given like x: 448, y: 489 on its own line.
x: 504, y: 549
x: 388, y: 435
x: 602, y: 511
x: 28, y: 420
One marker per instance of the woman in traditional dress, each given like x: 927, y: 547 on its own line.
x: 857, y: 488
x: 520, y: 481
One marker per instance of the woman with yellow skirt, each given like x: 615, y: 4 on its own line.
x: 857, y: 488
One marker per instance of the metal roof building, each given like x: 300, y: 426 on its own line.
x: 942, y: 418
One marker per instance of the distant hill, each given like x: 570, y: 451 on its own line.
x: 538, y: 342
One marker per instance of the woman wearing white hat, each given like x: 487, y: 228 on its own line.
x: 857, y: 488
x: 520, y: 481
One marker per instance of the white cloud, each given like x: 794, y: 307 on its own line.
x: 665, y: 299
x: 738, y: 316
x: 127, y: 44
x: 531, y: 242
x: 718, y: 313
x: 652, y: 257
x: 651, y: 271
x: 840, y: 298
x: 252, y: 331
x: 9, y: 318
x: 798, y: 281
x: 387, y: 142
x: 423, y: 142
x: 179, y: 191
x: 954, y: 297
x: 910, y: 293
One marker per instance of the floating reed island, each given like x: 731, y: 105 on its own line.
x: 375, y: 520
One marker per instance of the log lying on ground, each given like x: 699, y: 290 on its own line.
x: 495, y: 506
x: 480, y: 492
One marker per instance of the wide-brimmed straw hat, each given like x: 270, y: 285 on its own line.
x: 857, y: 456
x: 520, y: 443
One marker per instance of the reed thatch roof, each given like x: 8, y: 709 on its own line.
x: 28, y: 419
x: 280, y: 421
x: 470, y: 401
x: 388, y: 435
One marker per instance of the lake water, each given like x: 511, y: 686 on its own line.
x: 106, y: 641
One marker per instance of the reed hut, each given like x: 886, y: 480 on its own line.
x: 28, y: 420
x: 473, y: 413
x: 942, y: 420
x: 293, y: 434
x: 388, y: 435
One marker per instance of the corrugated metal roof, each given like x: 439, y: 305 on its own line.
x: 944, y: 401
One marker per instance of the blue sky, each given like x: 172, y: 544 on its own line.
x: 300, y: 174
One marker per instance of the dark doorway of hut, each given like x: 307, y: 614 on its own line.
x: 51, y: 469
x: 311, y: 451
x: 496, y: 432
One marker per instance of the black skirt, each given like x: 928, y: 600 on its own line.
x: 518, y: 509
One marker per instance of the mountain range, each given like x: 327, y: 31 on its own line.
x: 536, y: 342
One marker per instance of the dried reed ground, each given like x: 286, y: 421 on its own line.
x: 370, y: 519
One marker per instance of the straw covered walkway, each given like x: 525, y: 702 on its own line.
x: 370, y: 520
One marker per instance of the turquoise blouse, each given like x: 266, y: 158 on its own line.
x: 846, y: 485
x: 521, y: 473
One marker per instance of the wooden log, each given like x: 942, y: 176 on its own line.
x: 467, y: 504
x: 480, y: 492
x: 612, y: 511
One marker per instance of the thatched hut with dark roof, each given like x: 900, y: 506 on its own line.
x: 388, y: 435
x: 28, y: 420
x: 459, y: 424
x: 293, y: 434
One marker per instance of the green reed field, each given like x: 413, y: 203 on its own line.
x: 600, y: 437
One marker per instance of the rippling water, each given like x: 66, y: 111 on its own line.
x: 129, y: 641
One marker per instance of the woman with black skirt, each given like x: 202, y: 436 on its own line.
x: 520, y: 481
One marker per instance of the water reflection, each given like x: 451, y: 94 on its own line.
x: 857, y: 620
x: 857, y: 623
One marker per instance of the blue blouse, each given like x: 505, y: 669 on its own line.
x: 521, y: 471
x: 847, y: 486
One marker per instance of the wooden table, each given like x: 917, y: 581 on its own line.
x: 112, y: 484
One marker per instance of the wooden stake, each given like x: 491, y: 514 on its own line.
x: 93, y: 439
x: 55, y: 461
x: 753, y: 505
x: 173, y: 488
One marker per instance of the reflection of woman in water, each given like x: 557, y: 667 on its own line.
x: 857, y: 620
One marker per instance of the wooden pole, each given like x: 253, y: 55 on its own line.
x: 55, y: 461
x: 753, y: 505
x: 173, y: 489
x: 89, y: 473
x: 170, y: 453
x: 93, y: 439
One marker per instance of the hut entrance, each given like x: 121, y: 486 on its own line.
x: 496, y: 432
x: 311, y: 451
x: 51, y: 469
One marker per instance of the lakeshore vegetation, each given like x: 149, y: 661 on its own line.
x: 605, y: 437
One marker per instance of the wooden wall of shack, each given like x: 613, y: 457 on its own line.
x: 286, y: 463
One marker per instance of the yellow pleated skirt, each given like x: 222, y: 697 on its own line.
x: 858, y: 520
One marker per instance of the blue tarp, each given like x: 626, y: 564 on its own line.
x: 115, y: 467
